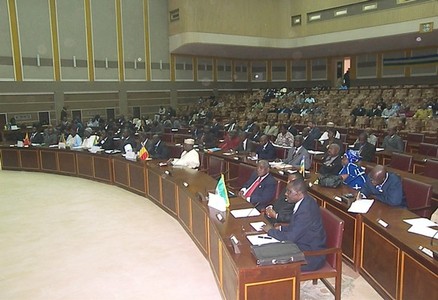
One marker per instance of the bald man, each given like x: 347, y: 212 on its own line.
x: 384, y: 186
x: 331, y: 162
x: 265, y: 150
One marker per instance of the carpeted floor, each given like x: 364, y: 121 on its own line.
x: 70, y: 238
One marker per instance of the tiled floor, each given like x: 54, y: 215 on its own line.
x: 68, y: 238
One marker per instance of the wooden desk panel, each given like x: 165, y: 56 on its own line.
x: 29, y: 158
x: 380, y: 261
x: 169, y: 194
x: 137, y: 178
x: 185, y: 209
x: 67, y: 162
x: 154, y: 186
x: 49, y: 160
x: 417, y: 281
x: 102, y: 168
x: 121, y: 175
x: 10, y: 159
x: 199, y: 226
x: 215, y: 252
x: 85, y: 165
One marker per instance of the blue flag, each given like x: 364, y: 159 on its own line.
x: 221, y: 190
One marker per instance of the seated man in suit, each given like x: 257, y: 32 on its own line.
x: 296, y: 154
x: 393, y: 142
x: 157, y: 148
x: 365, y: 149
x: 245, y: 144
x: 189, y: 158
x: 265, y: 150
x: 105, y: 140
x: 73, y: 139
x: 50, y: 136
x: 144, y: 141
x: 281, y: 210
x: 261, y: 186
x: 309, y: 141
x: 331, y: 162
x: 89, y: 139
x: 305, y: 227
x: 128, y: 142
x: 207, y: 139
x: 36, y: 136
x: 384, y: 186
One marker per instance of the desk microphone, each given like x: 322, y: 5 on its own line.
x: 252, y: 209
x: 167, y: 172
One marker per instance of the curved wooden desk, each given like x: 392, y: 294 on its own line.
x: 388, y: 258
x: 237, y: 275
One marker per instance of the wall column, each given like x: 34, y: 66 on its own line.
x: 123, y: 102
x: 58, y: 98
x: 174, y: 98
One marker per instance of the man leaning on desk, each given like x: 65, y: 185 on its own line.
x: 261, y: 186
x: 384, y: 186
x: 305, y: 227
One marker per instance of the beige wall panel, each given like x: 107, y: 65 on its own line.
x: 35, y: 39
x: 393, y: 71
x: 205, y: 70
x: 278, y: 69
x: 366, y: 66
x: 183, y: 68
x: 92, y: 105
x: 259, y: 71
x: 103, y: 19
x: 224, y: 70
x: 237, y: 17
x: 132, y: 95
x: 319, y: 69
x: 133, y: 39
x: 88, y: 114
x: 299, y: 70
x: 6, y: 61
x: 84, y: 97
x: 159, y: 41
x: 429, y: 69
x: 72, y: 39
x: 241, y: 69
x: 148, y: 102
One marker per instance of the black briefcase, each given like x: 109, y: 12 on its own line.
x: 277, y: 253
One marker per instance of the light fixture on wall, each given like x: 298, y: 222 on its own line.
x: 135, y: 64
x: 161, y: 64
x: 38, y: 60
x: 74, y: 61
x: 106, y: 62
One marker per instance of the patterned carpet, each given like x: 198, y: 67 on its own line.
x: 321, y: 292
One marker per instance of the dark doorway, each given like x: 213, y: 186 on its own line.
x: 44, y: 117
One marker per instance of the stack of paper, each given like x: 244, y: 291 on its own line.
x: 422, y: 226
x: 257, y: 225
x: 361, y: 206
x: 261, y: 239
x: 245, y: 212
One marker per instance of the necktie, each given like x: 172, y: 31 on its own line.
x: 253, y: 187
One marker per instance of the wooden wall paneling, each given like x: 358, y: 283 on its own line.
x: 67, y: 162
x: 199, y: 227
x: 137, y: 178
x: 215, y: 252
x: 30, y: 159
x: 154, y: 190
x: 10, y: 159
x: 169, y: 195
x: 85, y: 165
x: 102, y: 168
x: 185, y: 209
x: 120, y: 172
x: 49, y: 161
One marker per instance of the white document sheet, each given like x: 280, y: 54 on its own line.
x: 261, y: 239
x: 245, y: 212
x: 426, y: 231
x: 257, y: 225
x: 313, y: 152
x: 420, y: 222
x: 361, y: 206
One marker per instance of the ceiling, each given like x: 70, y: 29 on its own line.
x: 340, y: 49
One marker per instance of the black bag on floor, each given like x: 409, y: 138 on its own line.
x: 277, y: 253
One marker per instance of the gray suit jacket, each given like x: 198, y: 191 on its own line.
x: 294, y: 159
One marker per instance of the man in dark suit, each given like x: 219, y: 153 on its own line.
x: 128, y: 141
x: 331, y: 162
x: 384, y: 186
x: 36, y: 136
x: 105, y: 140
x: 144, y: 141
x: 281, y: 211
x: 393, y: 142
x: 315, y: 132
x: 308, y: 141
x: 296, y: 154
x: 216, y: 127
x: 305, y: 227
x: 260, y: 187
x: 266, y: 150
x: 366, y: 150
x: 245, y: 144
x: 157, y: 148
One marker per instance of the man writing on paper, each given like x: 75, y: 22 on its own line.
x: 189, y: 157
x: 281, y: 210
x: 384, y: 186
x: 305, y: 227
x: 260, y: 188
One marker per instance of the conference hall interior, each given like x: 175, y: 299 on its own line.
x: 100, y: 100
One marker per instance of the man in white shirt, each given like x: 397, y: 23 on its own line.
x: 89, y: 138
x: 189, y: 157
